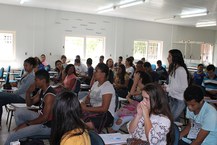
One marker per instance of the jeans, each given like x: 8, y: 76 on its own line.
x: 124, y: 119
x: 22, y: 115
x: 176, y: 107
x: 7, y: 98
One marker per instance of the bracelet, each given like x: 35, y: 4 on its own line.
x: 27, y: 123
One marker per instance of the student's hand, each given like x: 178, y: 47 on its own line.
x: 23, y: 125
x: 139, y: 110
x: 145, y: 105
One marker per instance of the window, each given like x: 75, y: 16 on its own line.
x: 151, y: 50
x: 86, y: 47
x: 7, y: 45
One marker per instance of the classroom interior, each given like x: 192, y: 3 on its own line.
x: 47, y: 27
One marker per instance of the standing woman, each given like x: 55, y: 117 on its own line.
x: 99, y: 106
x: 67, y: 127
x: 178, y: 82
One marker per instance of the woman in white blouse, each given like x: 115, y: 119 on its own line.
x: 178, y: 82
x: 153, y: 120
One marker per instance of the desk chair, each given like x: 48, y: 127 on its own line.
x: 95, y: 138
x: 1, y: 73
x: 10, y: 109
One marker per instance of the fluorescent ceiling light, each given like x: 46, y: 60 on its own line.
x: 165, y: 19
x: 22, y: 1
x: 131, y: 4
x: 106, y: 10
x: 194, y: 15
x: 206, y: 24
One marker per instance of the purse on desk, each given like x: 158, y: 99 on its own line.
x: 136, y: 141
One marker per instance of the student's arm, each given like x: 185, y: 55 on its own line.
x: 135, y: 84
x: 29, y: 99
x: 135, y: 121
x: 49, y: 102
x: 200, y: 137
x: 186, y: 130
x: 106, y: 99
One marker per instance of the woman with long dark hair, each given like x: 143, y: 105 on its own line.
x: 121, y: 81
x: 178, y: 82
x: 153, y: 121
x: 67, y: 127
x: 60, y: 72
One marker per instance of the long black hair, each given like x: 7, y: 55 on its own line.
x: 177, y: 59
x: 159, y: 106
x: 66, y: 117
x: 122, y: 74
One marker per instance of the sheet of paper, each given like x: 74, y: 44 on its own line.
x: 115, y: 138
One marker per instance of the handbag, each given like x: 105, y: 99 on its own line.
x: 136, y: 141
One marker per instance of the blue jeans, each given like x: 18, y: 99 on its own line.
x: 176, y: 107
x: 124, y: 119
x: 22, y: 115
x: 7, y: 98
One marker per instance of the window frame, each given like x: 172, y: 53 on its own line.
x: 13, y: 55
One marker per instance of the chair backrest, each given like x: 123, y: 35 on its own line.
x: 176, y: 132
x: 77, y: 86
x: 9, y: 68
x: 21, y: 73
x: 1, y: 73
x: 95, y: 138
x: 153, y: 66
x: 7, y: 79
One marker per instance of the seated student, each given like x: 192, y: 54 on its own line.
x: 199, y: 75
x: 210, y: 82
x: 153, y: 120
x: 90, y: 70
x: 162, y: 73
x: 43, y: 60
x: 129, y: 67
x: 60, y: 70
x: 68, y: 129
x: 81, y: 69
x: 30, y: 123
x: 19, y: 95
x: 39, y: 65
x: 202, y: 126
x: 154, y: 74
x: 64, y: 61
x: 110, y: 64
x: 99, y: 106
x: 140, y: 66
x: 120, y: 59
x: 101, y: 59
x: 121, y: 81
x: 127, y: 112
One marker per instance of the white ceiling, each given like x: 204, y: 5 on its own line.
x: 150, y: 10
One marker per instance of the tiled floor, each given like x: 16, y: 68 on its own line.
x: 4, y: 131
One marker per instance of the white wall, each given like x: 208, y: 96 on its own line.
x: 42, y: 31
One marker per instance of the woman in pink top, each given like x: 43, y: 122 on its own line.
x: 70, y: 79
